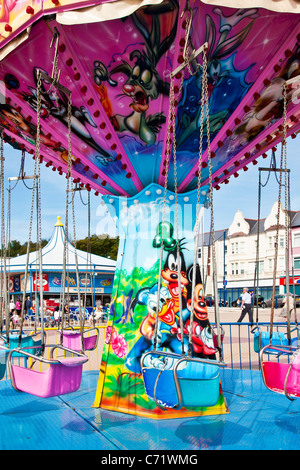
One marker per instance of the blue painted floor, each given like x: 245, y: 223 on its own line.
x: 257, y: 419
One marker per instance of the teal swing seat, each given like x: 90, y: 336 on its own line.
x: 3, y: 359
x: 262, y: 339
x: 174, y: 381
x: 28, y: 341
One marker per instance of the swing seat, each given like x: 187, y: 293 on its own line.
x: 63, y: 375
x: 215, y: 336
x: 189, y: 382
x: 262, y: 339
x: 283, y: 378
x: 27, y: 341
x: 34, y: 347
x: 72, y: 340
x: 3, y: 359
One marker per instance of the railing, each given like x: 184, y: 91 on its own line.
x: 53, y: 337
x: 238, y: 343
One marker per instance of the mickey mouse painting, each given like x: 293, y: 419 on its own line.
x: 202, y: 339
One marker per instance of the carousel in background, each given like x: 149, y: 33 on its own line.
x: 96, y: 275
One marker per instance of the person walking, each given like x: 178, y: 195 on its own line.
x: 246, y: 306
x: 284, y: 310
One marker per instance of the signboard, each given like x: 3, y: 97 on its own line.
x: 282, y: 280
x: 36, y: 282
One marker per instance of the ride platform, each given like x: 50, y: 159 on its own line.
x: 258, y: 420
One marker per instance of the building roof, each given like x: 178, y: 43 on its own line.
x: 53, y: 255
x: 207, y: 240
x: 294, y: 218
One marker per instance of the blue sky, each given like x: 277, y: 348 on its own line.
x: 241, y: 193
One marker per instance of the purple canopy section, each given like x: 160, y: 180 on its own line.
x: 118, y: 73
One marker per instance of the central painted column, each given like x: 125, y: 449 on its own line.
x: 134, y: 300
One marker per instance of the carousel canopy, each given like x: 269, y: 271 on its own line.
x: 112, y: 62
x: 53, y: 255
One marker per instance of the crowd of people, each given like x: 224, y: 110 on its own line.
x: 53, y: 316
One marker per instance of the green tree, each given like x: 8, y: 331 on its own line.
x: 102, y: 245
x: 15, y: 248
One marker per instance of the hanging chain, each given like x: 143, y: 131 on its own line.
x: 3, y: 247
x: 35, y: 188
x: 286, y: 208
x: 167, y: 165
x: 256, y: 273
x: 65, y: 275
x: 214, y: 260
x: 204, y: 99
x: 70, y: 176
x: 282, y: 158
x: 176, y: 214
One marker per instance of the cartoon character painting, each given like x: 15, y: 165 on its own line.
x: 169, y: 330
x: 202, y: 339
x: 55, y: 104
x: 222, y: 75
x: 268, y: 107
x: 143, y: 83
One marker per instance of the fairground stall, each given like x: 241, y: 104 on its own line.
x: 96, y: 274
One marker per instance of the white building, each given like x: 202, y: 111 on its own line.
x: 236, y: 255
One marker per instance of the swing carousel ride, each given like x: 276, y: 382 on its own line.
x: 157, y: 104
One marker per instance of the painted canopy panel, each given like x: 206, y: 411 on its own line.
x: 119, y: 74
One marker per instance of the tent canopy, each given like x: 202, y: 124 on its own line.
x: 53, y: 255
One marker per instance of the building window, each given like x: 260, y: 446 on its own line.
x: 251, y: 267
x: 242, y: 268
x: 296, y: 243
x: 270, y: 263
x: 297, y: 263
x: 232, y: 268
x: 281, y: 264
x: 236, y: 268
x: 261, y: 266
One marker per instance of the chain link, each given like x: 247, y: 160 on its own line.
x: 282, y: 159
x: 35, y: 189
x: 5, y: 304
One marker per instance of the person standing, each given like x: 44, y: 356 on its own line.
x: 18, y: 307
x: 28, y: 305
x: 246, y: 306
x: 56, y: 316
x: 12, y: 306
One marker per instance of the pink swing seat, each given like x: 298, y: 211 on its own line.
x: 282, y: 378
x: 72, y: 340
x: 63, y: 375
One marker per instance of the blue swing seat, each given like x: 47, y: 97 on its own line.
x: 3, y: 359
x: 175, y: 381
x: 27, y: 341
x: 262, y: 339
